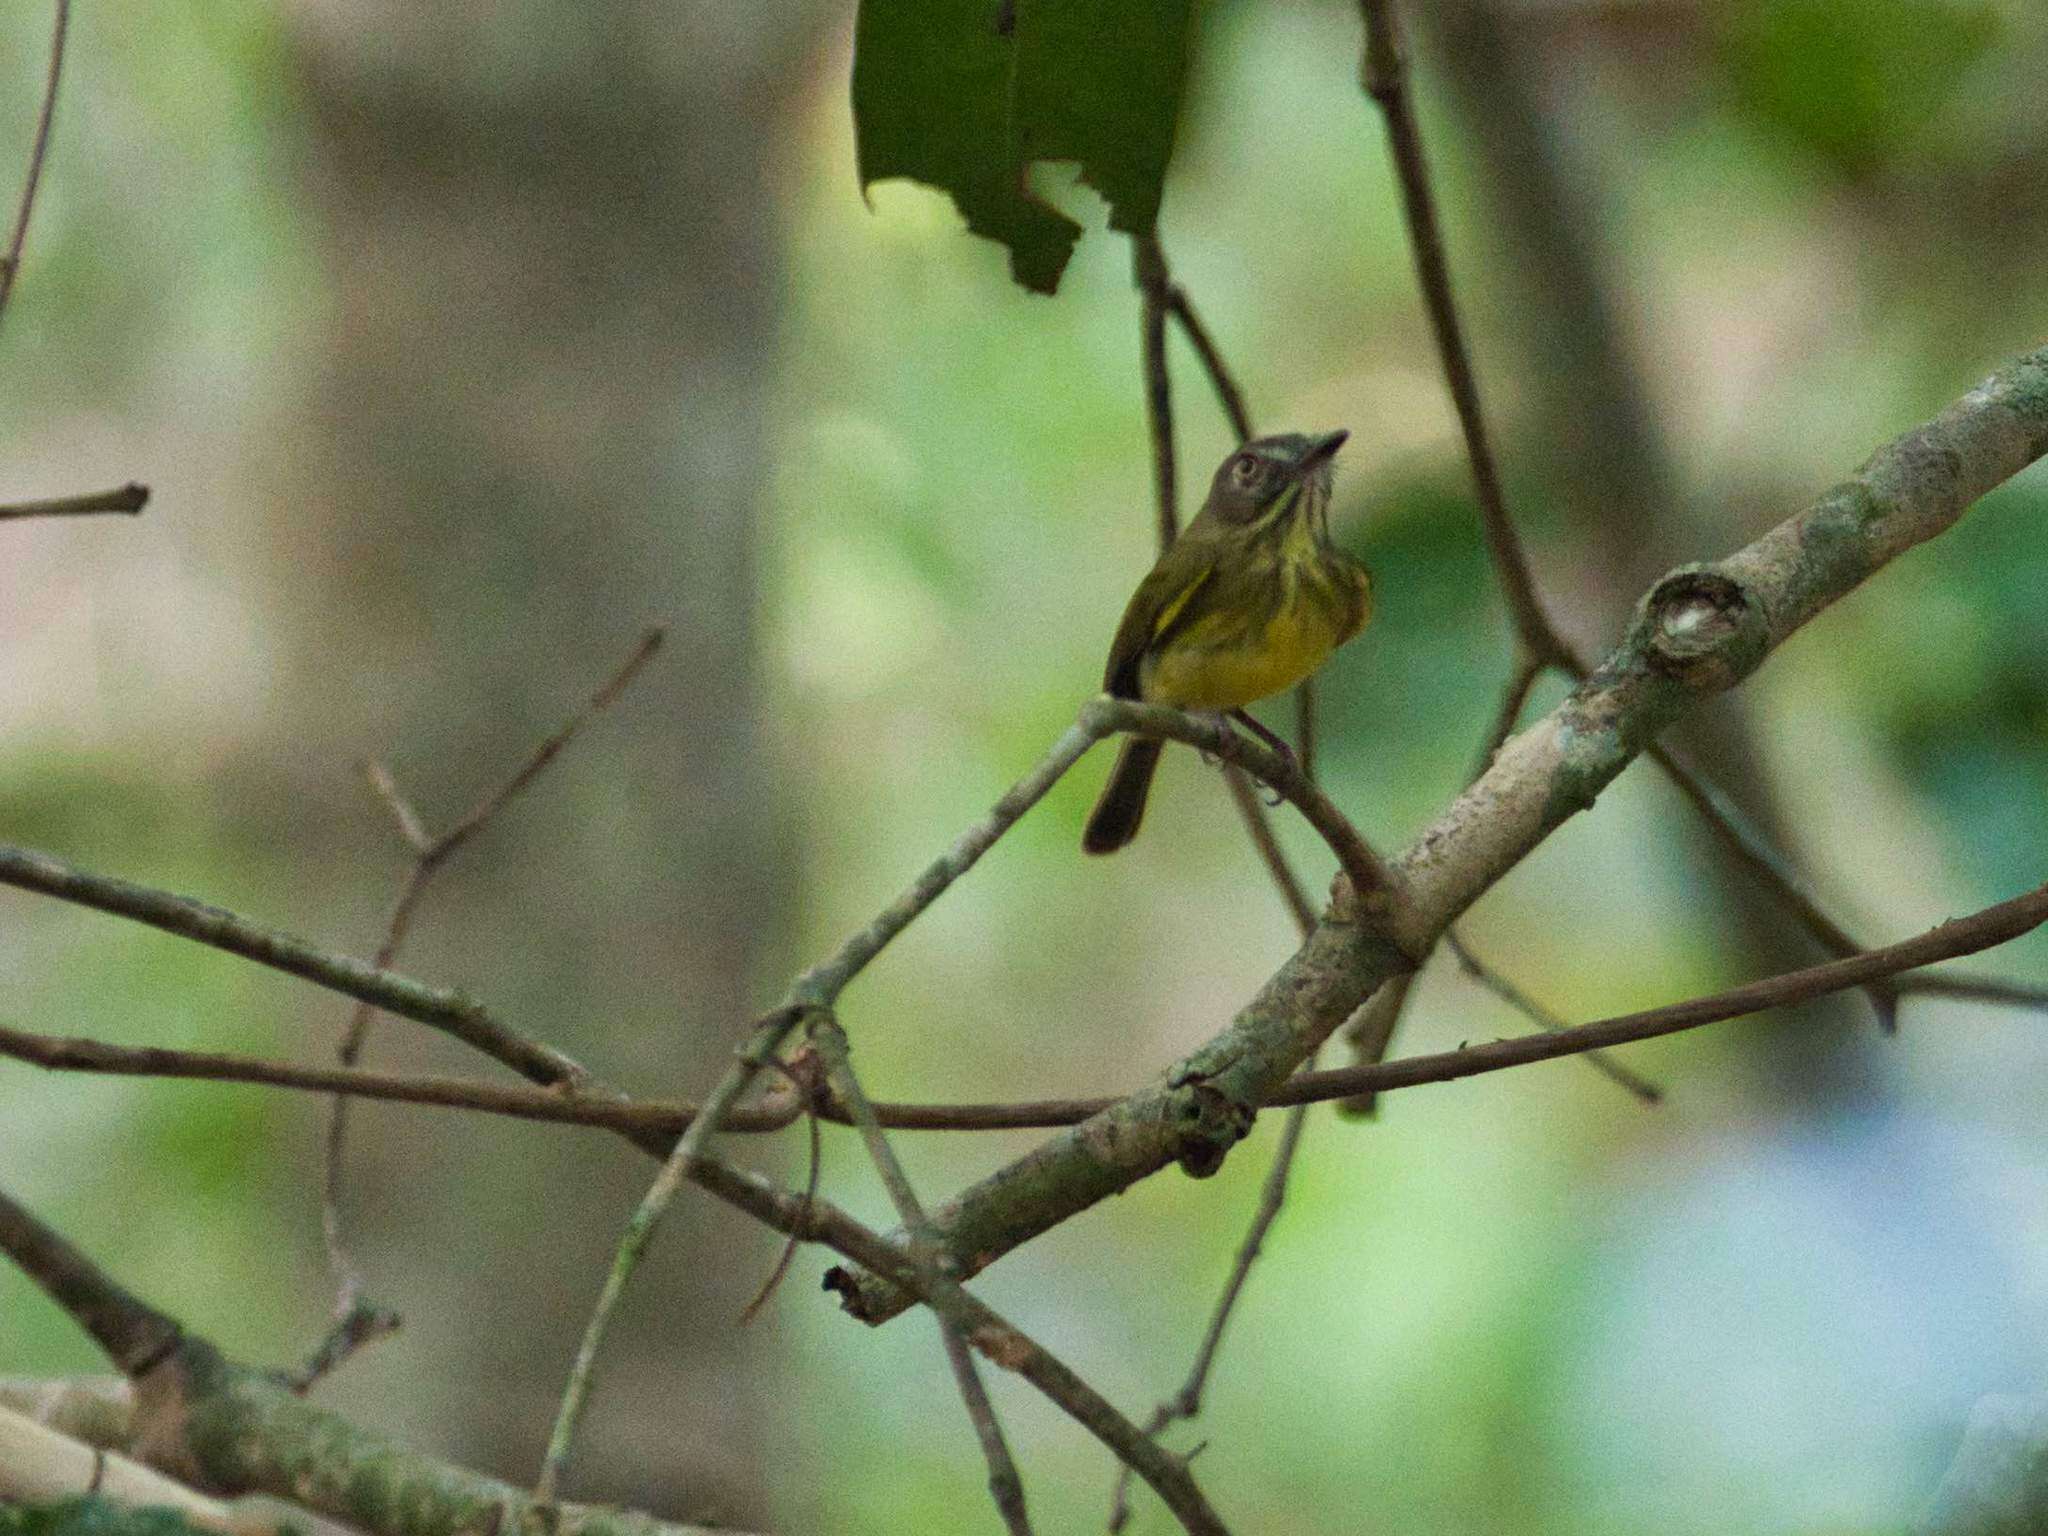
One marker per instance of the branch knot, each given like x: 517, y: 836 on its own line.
x: 1702, y: 628
x: 1207, y: 1123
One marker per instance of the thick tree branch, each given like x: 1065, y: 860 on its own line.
x: 231, y: 1430
x: 1698, y: 632
x: 41, y: 1465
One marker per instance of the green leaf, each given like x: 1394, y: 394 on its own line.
x: 965, y: 95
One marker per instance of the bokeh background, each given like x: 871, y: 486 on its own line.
x: 460, y: 342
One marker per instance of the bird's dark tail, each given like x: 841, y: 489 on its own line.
x: 1114, y: 821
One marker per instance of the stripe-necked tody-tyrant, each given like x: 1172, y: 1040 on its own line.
x: 1251, y: 598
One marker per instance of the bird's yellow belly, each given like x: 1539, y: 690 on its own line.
x: 1198, y: 671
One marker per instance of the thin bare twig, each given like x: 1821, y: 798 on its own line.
x: 1244, y: 790
x: 993, y: 1336
x: 39, y: 150
x: 1385, y: 77
x: 1754, y: 852
x: 816, y: 1160
x: 1231, y: 397
x: 356, y: 1321
x: 1165, y: 297
x: 1005, y: 1486
x: 682, y: 1162
x: 1148, y: 265
x: 1187, y: 1402
x: 441, y: 1008
x: 1305, y: 727
x: 1544, y: 1019
x: 130, y: 498
x: 1538, y: 643
x: 654, y: 1125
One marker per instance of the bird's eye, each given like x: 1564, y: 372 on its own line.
x: 1245, y: 470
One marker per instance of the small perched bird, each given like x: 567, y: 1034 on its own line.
x: 1250, y: 599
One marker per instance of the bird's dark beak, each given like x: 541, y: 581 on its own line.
x: 1322, y: 449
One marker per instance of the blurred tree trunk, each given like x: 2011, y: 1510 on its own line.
x: 1595, y: 438
x: 532, y: 421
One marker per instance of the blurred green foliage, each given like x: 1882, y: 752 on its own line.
x: 1856, y: 82
x: 1520, y: 1305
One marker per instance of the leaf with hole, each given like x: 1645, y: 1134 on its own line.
x: 966, y: 95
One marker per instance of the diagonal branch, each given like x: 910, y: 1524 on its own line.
x: 234, y: 1430
x: 1698, y: 632
x: 1385, y: 77
x: 1376, y: 887
x: 1538, y: 644
x: 1546, y: 1021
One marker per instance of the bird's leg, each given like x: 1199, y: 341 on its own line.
x: 1285, y: 752
x: 1252, y: 724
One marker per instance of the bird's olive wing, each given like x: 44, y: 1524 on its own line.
x: 1159, y: 606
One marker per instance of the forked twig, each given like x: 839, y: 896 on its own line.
x: 356, y: 1321
x: 943, y: 1292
